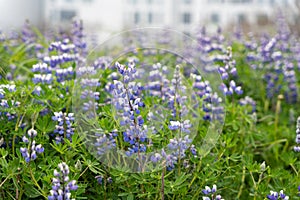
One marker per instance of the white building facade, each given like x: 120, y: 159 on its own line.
x: 110, y: 16
x: 13, y: 13
x: 185, y: 15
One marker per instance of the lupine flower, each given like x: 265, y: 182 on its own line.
x: 248, y: 101
x: 88, y: 94
x: 59, y: 59
x: 169, y: 159
x: 297, y: 148
x: 211, y: 101
x: 64, y: 129
x: 202, y: 87
x: 8, y: 87
x: 28, y: 35
x: 85, y: 83
x: 193, y: 150
x: 179, y: 146
x: 30, y: 153
x: 158, y: 81
x: 128, y: 104
x: 105, y: 142
x: 103, y: 63
x: 99, y: 179
x: 61, y: 184
x: 41, y: 67
x: 63, y: 46
x: 212, y: 193
x: 64, y: 74
x: 4, y: 104
x: 274, y: 195
x: 227, y: 73
x: 42, y: 78
x: 78, y: 37
x: 291, y: 94
x: 86, y: 70
x: 175, y: 95
x: 156, y: 157
x: 109, y: 180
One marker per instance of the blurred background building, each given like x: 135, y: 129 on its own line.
x: 110, y: 16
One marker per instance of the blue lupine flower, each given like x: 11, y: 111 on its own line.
x: 61, y: 184
x: 63, y: 46
x: 7, y: 87
x: 99, y: 179
x: 193, y: 150
x: 109, y: 180
x: 297, y: 148
x: 211, y: 101
x: 248, y: 101
x: 64, y: 74
x: 103, y: 62
x: 42, y: 68
x: 55, y: 60
x: 227, y: 72
x: 291, y: 94
x: 42, y: 78
x: 274, y: 195
x: 127, y: 102
x: 64, y: 129
x: 78, y: 37
x: 28, y: 36
x: 29, y: 153
x: 212, y: 192
x: 156, y: 157
x: 105, y: 142
x: 7, y: 105
x: 158, y: 81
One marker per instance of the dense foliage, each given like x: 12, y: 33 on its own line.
x: 65, y: 114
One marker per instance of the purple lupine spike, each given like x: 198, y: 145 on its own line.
x: 61, y: 184
x: 29, y: 153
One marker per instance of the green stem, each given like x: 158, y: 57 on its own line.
x: 36, y: 183
x: 242, y: 181
x: 266, y: 107
x: 4, y: 181
x: 278, y: 108
x: 162, y: 191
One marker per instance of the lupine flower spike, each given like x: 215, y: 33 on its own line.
x: 30, y: 153
x: 274, y: 195
x: 61, y: 184
x: 212, y: 193
x: 297, y: 148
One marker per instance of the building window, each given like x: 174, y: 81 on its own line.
x: 67, y: 15
x: 241, y: 18
x: 215, y: 18
x: 186, y: 18
x: 150, y: 18
x: 187, y: 1
x: 136, y: 17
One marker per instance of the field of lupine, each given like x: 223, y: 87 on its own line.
x: 213, y: 117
